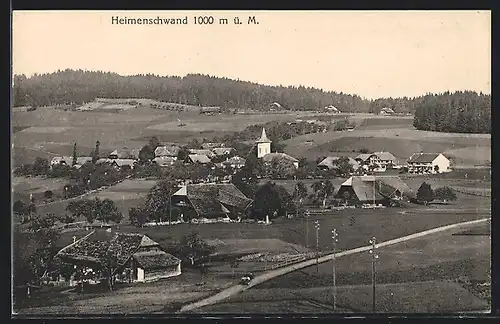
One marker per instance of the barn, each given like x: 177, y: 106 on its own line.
x: 374, y: 190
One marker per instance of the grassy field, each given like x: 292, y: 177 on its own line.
x: 391, y: 298
x: 156, y: 297
x: 416, y: 276
x: 394, y: 134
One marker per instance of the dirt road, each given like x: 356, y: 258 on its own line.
x: 279, y: 272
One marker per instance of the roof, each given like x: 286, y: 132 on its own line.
x: 122, y: 162
x: 235, y: 160
x: 125, y: 153
x: 271, y: 156
x: 93, y: 249
x: 263, y: 137
x: 164, y: 160
x: 155, y: 259
x: 365, y: 156
x: 65, y: 159
x: 201, y: 152
x: 385, y: 156
x: 329, y: 162
x: 423, y: 157
x: 199, y: 158
x: 83, y: 159
x: 367, y: 188
x: 212, y: 145
x: 167, y: 150
x: 222, y: 150
x: 387, y: 109
x: 208, y: 109
x: 210, y: 199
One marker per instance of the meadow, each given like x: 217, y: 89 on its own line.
x: 415, y: 276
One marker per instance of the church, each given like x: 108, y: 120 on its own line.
x: 264, y: 151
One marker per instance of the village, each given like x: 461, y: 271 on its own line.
x: 303, y: 163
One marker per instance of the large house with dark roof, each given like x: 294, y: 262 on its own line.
x: 210, y: 201
x: 138, y: 258
x: 428, y: 163
x: 374, y: 190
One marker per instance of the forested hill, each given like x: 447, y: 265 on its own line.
x: 447, y: 112
x: 459, y: 112
x: 79, y: 86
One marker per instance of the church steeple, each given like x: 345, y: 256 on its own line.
x: 263, y: 144
x: 263, y: 138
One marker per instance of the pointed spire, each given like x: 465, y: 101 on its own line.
x: 263, y: 138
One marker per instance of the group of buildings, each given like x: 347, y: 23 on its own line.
x: 417, y: 163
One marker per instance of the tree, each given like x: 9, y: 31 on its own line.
x: 445, y: 194
x: 74, y: 155
x: 138, y: 216
x: 436, y: 168
x: 154, y: 142
x: 95, y: 153
x: 183, y: 154
x: 41, y: 166
x: 146, y: 154
x: 281, y: 169
x: 234, y: 264
x: 157, y: 202
x: 272, y: 200
x: 323, y: 189
x: 425, y: 193
x: 107, y: 211
x: 343, y: 167
x: 246, y: 181
x: 192, y: 248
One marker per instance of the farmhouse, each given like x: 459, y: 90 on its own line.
x: 118, y: 163
x: 68, y: 160
x: 208, y: 153
x: 171, y: 151
x: 208, y: 146
x: 221, y: 151
x: 386, y: 111
x: 136, y: 256
x: 123, y: 153
x: 370, y: 161
x: 235, y: 162
x: 199, y: 158
x: 270, y: 157
x: 332, y: 109
x: 428, y: 163
x: 386, y: 159
x: 374, y: 190
x: 330, y: 163
x: 164, y: 161
x: 211, y: 201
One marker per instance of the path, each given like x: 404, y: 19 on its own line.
x: 282, y: 271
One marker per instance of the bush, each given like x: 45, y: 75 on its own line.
x: 48, y: 194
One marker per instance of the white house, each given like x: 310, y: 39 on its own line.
x: 370, y: 161
x: 428, y: 163
x: 386, y: 159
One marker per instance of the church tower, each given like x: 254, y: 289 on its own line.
x: 263, y: 144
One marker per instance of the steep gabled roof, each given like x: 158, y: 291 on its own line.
x: 212, y: 199
x: 164, y: 160
x: 222, y: 150
x: 423, y: 157
x: 363, y: 157
x: 385, y: 156
x: 167, y: 151
x: 199, y: 158
x: 235, y: 160
x: 269, y: 157
x: 329, y: 162
x: 201, y: 152
x: 367, y: 188
x: 155, y: 260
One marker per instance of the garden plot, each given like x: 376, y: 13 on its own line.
x: 248, y: 246
x: 46, y: 129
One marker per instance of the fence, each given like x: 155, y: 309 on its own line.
x: 472, y: 193
x: 296, y: 259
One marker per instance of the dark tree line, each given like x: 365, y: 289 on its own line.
x: 459, y: 112
x: 78, y: 87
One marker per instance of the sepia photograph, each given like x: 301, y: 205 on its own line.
x: 250, y: 162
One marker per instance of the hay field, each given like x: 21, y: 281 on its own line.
x: 394, y: 134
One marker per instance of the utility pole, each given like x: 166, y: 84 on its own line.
x: 170, y: 210
x: 316, y: 225
x: 307, y: 228
x: 374, y: 254
x: 334, y: 274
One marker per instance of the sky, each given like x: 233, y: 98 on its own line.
x: 369, y: 53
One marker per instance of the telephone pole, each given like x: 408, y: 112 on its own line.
x: 374, y: 254
x: 334, y: 272
x: 307, y: 228
x: 316, y: 225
